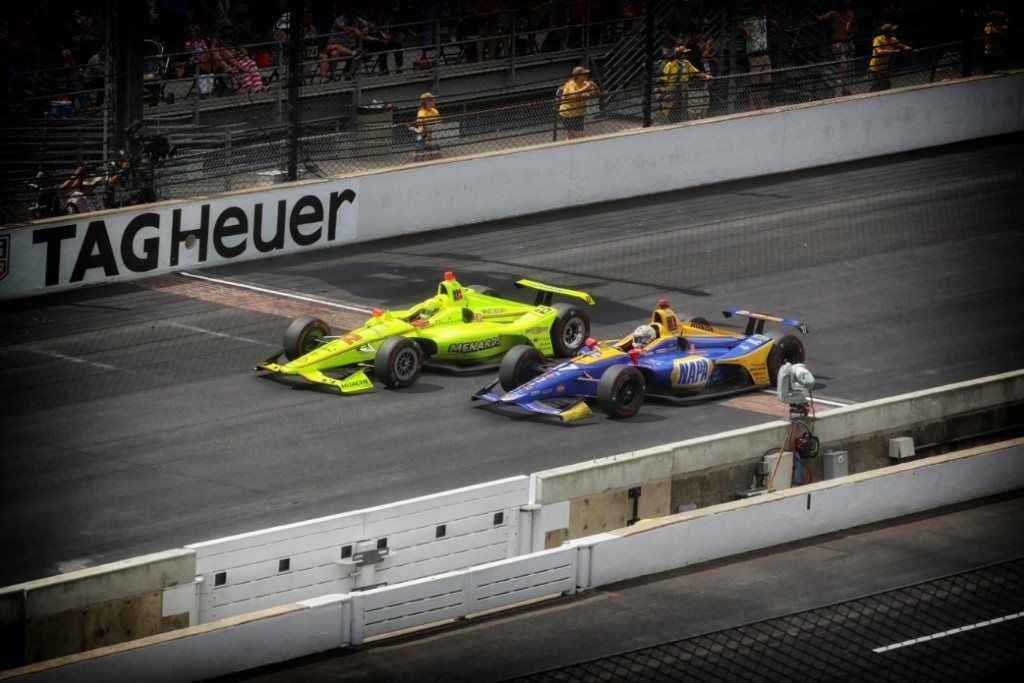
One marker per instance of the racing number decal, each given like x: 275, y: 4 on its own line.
x: 457, y: 295
x: 351, y: 338
x: 670, y: 320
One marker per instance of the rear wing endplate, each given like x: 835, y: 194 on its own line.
x: 546, y: 292
x: 756, y: 321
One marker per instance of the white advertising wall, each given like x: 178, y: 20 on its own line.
x: 117, y: 245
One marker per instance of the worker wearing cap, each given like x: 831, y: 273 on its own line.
x: 572, y: 106
x: 882, y: 48
x: 675, y: 79
x: 426, y: 118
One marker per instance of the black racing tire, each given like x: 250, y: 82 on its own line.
x: 398, y: 362
x: 570, y: 329
x: 789, y: 349
x: 483, y: 289
x: 620, y: 391
x: 302, y: 336
x: 521, y: 364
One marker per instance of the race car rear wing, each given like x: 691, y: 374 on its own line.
x: 546, y: 292
x: 756, y: 321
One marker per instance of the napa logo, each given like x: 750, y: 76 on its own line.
x: 690, y: 372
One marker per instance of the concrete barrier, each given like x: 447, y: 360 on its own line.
x: 807, y: 511
x: 312, y: 626
x: 98, y: 606
x: 409, y: 539
x: 67, y: 253
x: 710, y: 469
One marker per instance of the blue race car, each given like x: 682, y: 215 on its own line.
x: 678, y: 361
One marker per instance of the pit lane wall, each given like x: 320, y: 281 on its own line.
x: 229, y: 577
x: 68, y: 253
x: 339, y: 620
x: 594, y: 495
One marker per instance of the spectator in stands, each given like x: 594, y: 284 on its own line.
x: 378, y: 41
x: 701, y: 48
x: 47, y: 195
x: 755, y: 30
x: 426, y: 118
x: 683, y: 91
x: 76, y: 80
x: 314, y: 60
x: 843, y: 25
x: 883, y: 47
x: 96, y: 74
x: 572, y: 107
x: 200, y: 59
x: 244, y: 71
x: 996, y: 31
x: 492, y: 36
x: 676, y: 28
x: 344, y: 42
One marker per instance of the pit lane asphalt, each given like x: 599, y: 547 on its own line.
x: 130, y: 429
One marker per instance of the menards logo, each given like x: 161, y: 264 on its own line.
x: 473, y: 347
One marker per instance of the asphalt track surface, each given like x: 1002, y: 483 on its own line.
x: 133, y: 422
x: 834, y: 644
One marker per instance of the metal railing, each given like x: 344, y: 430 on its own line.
x: 211, y: 159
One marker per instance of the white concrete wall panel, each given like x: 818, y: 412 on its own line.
x: 250, y: 561
x: 803, y: 512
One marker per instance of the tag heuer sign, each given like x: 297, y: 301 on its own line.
x: 5, y: 255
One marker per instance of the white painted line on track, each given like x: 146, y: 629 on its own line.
x: 72, y: 359
x: 264, y: 290
x: 828, y: 402
x: 222, y: 335
x: 950, y: 632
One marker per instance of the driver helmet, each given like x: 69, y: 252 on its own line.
x: 643, y: 335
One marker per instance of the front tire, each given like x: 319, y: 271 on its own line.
x: 620, y: 392
x: 789, y: 349
x: 521, y: 364
x: 570, y: 329
x: 398, y: 362
x: 304, y: 335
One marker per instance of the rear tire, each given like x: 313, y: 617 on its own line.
x: 789, y: 349
x: 302, y: 336
x: 620, y: 392
x: 570, y: 329
x: 481, y: 289
x: 521, y: 364
x: 398, y: 362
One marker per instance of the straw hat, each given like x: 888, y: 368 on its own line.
x: 580, y: 71
x: 681, y: 50
x: 427, y: 96
x: 888, y: 28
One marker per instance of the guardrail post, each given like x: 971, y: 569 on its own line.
x: 648, y: 61
x: 197, y: 92
x: 512, y: 51
x: 227, y: 152
x: 586, y: 33
x: 437, y: 56
x: 295, y: 7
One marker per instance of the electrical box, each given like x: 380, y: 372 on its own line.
x: 783, y: 473
x: 835, y: 464
x: 901, y: 447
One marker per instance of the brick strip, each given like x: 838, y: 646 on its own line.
x: 249, y: 300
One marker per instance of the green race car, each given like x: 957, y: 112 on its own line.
x: 459, y: 326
